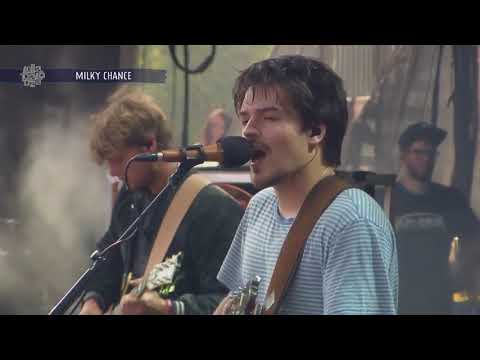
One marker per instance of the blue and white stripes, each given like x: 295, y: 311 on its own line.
x: 349, y: 265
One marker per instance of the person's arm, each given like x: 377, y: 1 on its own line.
x: 358, y: 272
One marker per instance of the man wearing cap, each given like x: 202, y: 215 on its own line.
x: 426, y: 216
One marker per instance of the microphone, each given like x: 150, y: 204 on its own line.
x: 230, y: 151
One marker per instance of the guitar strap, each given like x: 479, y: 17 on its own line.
x: 181, y: 202
x: 319, y: 198
x: 179, y: 206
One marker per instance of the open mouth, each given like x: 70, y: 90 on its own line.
x: 258, y: 154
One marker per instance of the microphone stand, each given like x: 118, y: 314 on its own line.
x: 98, y: 258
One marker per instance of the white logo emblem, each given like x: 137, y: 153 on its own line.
x: 32, y: 75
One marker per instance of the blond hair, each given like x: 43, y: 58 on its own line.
x: 131, y: 118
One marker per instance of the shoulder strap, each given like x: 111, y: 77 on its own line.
x: 319, y: 198
x: 179, y: 206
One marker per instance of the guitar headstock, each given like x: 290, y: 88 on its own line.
x: 161, y: 277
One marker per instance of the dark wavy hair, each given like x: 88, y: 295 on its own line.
x: 314, y: 90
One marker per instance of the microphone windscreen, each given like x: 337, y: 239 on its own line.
x: 236, y: 151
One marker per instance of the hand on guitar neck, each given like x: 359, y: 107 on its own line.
x: 150, y: 303
x: 144, y: 296
x: 137, y: 302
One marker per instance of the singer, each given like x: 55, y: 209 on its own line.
x: 293, y: 111
x: 132, y: 124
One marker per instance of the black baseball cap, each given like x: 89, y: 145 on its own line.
x: 419, y: 131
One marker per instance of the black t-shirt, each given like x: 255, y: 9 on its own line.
x: 425, y: 225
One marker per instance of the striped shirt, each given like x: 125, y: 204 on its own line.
x: 349, y: 265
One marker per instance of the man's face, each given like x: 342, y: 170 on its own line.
x: 419, y: 160
x: 139, y: 173
x: 281, y: 148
